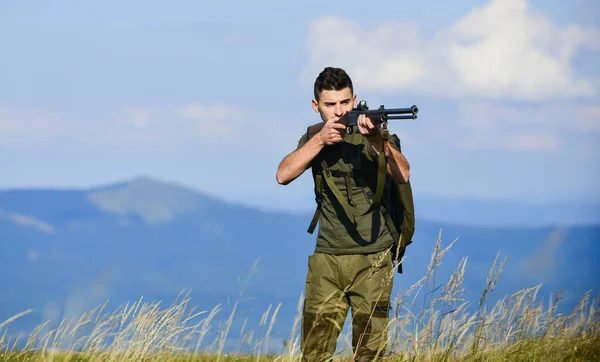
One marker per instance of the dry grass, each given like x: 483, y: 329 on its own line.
x: 440, y: 328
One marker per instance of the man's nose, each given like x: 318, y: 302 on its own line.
x: 339, y: 110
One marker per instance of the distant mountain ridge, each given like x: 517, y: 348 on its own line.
x: 509, y: 213
x: 170, y: 198
x: 150, y: 199
x: 67, y: 251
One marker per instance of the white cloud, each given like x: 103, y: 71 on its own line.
x: 587, y: 118
x: 502, y: 49
x: 206, y: 113
x: 512, y: 141
x: 20, y: 128
x: 132, y: 125
x: 530, y: 128
x: 137, y: 117
x: 552, y: 116
x: 212, y: 125
x: 210, y: 120
x: 534, y: 140
x: 146, y: 125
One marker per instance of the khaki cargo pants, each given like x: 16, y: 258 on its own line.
x: 336, y: 283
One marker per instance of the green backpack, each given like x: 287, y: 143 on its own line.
x: 402, y: 214
x: 400, y: 218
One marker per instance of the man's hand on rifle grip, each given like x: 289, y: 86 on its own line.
x: 332, y: 132
x: 366, y: 126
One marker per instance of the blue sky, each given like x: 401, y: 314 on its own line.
x: 213, y: 95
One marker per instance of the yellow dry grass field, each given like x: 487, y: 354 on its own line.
x: 520, y: 327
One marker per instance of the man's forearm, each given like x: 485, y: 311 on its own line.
x: 315, y: 129
x: 398, y: 167
x: 294, y: 164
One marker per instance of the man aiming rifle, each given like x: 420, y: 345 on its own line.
x: 356, y: 168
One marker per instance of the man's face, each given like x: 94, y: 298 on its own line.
x: 334, y: 104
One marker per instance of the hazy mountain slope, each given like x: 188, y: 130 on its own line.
x: 66, y: 251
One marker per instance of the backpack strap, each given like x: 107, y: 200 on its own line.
x: 325, y: 176
x: 389, y: 222
x: 318, y: 190
x: 381, y: 178
x: 384, y: 211
x: 397, y: 227
x: 319, y: 199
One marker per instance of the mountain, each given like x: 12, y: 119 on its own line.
x: 509, y: 212
x: 67, y: 251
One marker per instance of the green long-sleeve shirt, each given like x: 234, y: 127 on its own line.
x: 339, y: 232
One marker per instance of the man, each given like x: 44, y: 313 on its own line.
x: 351, y: 267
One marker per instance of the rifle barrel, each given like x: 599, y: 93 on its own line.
x: 371, y: 112
x: 389, y: 113
x: 414, y: 116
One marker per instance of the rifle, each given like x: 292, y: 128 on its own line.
x: 378, y: 116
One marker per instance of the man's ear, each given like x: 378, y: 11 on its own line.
x: 354, y: 101
x: 315, y: 106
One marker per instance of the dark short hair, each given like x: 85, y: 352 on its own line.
x: 332, y: 79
